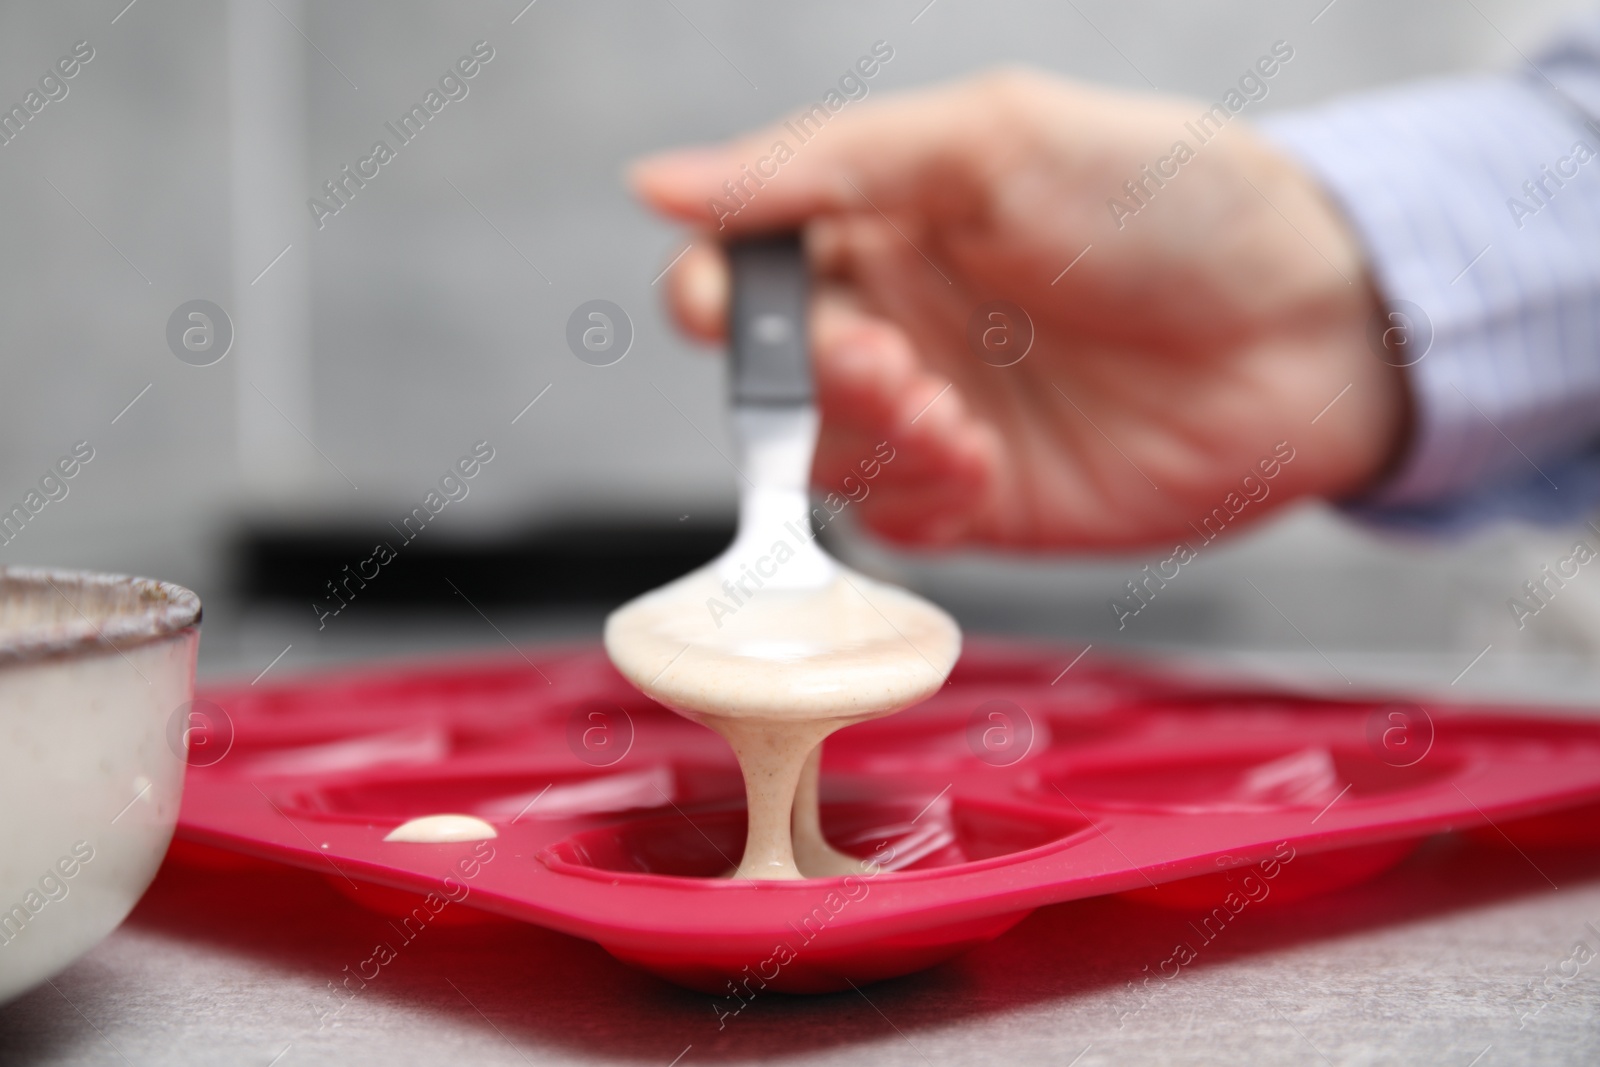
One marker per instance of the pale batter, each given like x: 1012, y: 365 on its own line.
x: 775, y: 678
x: 774, y: 645
x: 437, y: 829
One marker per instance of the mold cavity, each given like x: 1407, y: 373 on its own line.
x: 413, y: 746
x: 1303, y: 778
x: 506, y: 798
x: 908, y: 835
x: 916, y: 738
x: 941, y: 732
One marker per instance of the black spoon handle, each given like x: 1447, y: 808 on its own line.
x: 771, y: 359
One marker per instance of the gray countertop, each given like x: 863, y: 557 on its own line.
x: 1453, y: 957
x: 1429, y: 963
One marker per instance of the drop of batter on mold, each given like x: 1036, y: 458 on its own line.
x: 775, y: 645
x: 439, y: 829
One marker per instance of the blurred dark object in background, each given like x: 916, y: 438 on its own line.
x: 576, y: 562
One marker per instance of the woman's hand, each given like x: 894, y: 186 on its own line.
x: 1177, y: 342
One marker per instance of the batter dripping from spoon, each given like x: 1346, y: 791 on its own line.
x: 774, y: 645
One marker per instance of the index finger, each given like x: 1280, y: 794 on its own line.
x: 880, y: 154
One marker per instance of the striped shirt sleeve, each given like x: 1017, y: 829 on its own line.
x: 1478, y: 202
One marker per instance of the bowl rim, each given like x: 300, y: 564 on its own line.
x: 166, y: 610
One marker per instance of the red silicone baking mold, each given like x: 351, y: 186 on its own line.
x: 1019, y: 784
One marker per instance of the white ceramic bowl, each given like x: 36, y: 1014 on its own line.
x: 94, y: 670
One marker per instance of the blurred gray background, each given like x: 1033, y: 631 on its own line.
x: 373, y: 352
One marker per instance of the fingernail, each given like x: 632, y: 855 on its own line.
x: 676, y: 165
